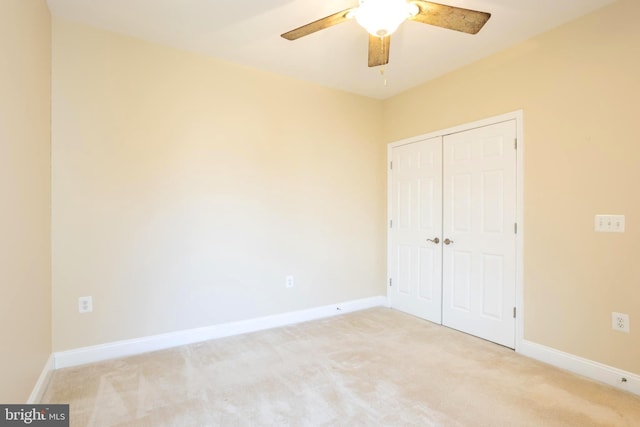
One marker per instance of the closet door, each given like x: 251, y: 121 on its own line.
x: 479, y: 216
x: 415, y: 246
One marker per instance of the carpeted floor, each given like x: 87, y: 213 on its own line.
x: 376, y: 367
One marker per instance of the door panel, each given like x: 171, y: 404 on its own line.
x: 416, y: 211
x: 479, y: 213
x: 461, y: 281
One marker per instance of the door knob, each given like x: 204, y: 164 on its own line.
x: 436, y: 240
x: 447, y: 241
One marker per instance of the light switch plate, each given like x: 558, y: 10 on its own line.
x: 609, y: 223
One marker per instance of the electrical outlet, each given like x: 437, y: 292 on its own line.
x: 85, y: 305
x: 289, y: 281
x: 620, y: 322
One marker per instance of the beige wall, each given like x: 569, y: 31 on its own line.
x: 25, y: 263
x: 185, y: 189
x: 578, y: 86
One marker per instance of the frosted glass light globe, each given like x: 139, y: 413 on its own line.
x: 382, y: 17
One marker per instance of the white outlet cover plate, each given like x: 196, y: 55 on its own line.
x: 85, y: 305
x: 289, y: 281
x: 620, y: 322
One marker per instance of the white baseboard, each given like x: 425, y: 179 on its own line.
x: 581, y: 366
x: 81, y: 356
x: 42, y: 383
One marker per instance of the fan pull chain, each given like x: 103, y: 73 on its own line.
x: 384, y: 77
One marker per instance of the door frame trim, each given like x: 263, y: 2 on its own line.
x: 518, y: 116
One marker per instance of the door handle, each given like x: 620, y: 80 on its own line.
x: 448, y: 241
x: 436, y: 240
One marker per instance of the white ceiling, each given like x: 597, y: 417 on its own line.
x: 249, y: 33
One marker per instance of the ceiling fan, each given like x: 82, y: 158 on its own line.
x: 382, y: 17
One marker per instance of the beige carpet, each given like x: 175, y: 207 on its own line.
x: 376, y: 367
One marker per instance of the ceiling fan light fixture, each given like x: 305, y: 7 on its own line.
x: 382, y: 17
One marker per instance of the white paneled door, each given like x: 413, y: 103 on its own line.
x: 479, y: 217
x: 415, y: 241
x: 452, y: 238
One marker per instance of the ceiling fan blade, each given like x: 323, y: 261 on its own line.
x: 450, y: 17
x: 379, y: 50
x: 318, y: 25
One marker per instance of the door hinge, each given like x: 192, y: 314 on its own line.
x: 515, y: 143
x: 515, y: 228
x: 390, y: 223
x: 391, y: 165
x: 390, y: 281
x: 514, y: 312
